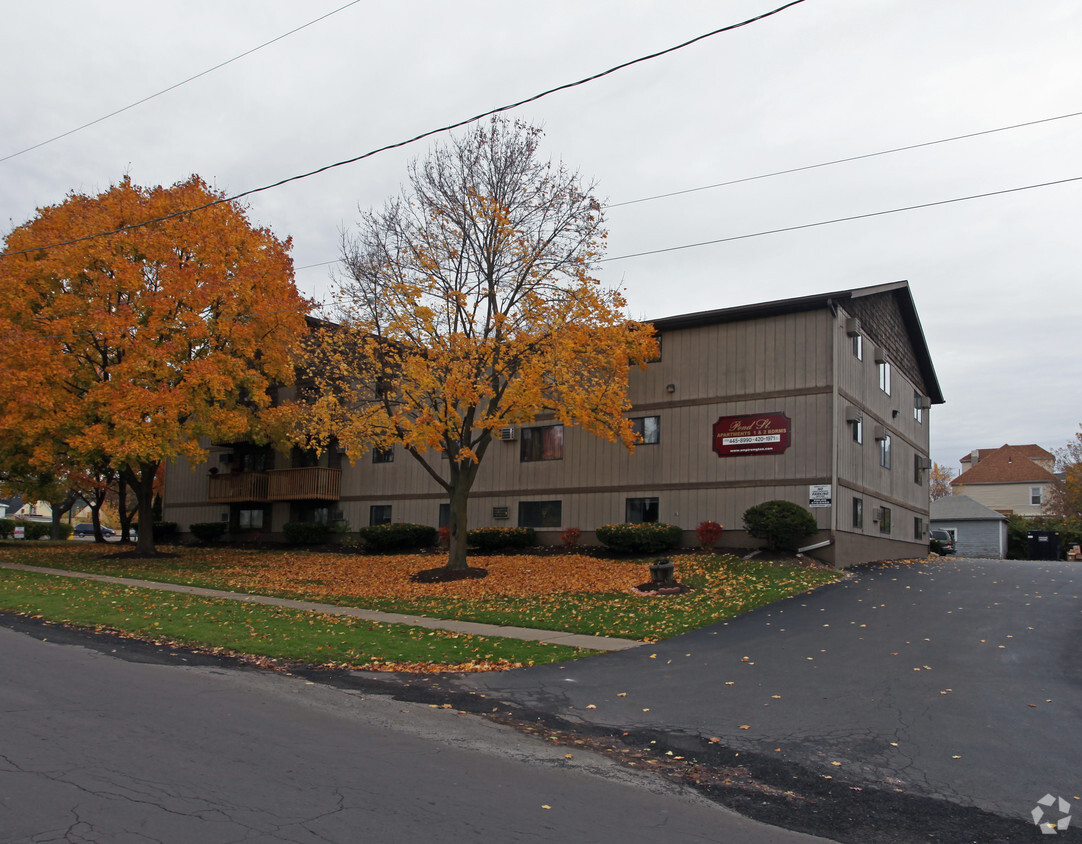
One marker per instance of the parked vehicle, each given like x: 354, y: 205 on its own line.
x: 88, y: 530
x: 941, y: 541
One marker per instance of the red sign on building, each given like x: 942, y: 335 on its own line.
x: 761, y: 433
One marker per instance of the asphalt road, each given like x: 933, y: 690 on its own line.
x: 108, y: 740
x: 924, y: 690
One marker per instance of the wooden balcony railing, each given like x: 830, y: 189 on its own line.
x: 311, y: 483
x: 237, y: 487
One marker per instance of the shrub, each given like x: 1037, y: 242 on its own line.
x: 306, y: 533
x: 208, y: 531
x: 37, y: 530
x: 166, y: 531
x: 65, y: 530
x: 708, y: 533
x: 7, y: 528
x: 501, y: 539
x: 397, y: 537
x: 646, y: 538
x: 779, y: 523
x: 570, y: 537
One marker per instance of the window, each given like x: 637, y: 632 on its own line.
x: 444, y: 519
x: 250, y: 519
x: 383, y: 455
x: 884, y: 520
x: 858, y: 347
x: 1034, y: 495
x: 884, y: 376
x: 647, y: 429
x: 918, y: 528
x: 884, y: 452
x: 540, y: 514
x: 640, y: 510
x: 858, y: 431
x: 858, y: 513
x: 545, y: 443
x: 918, y: 409
x: 918, y: 470
x: 379, y: 514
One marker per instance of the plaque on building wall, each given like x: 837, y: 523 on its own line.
x: 760, y: 433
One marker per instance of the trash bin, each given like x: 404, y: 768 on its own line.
x: 1042, y: 545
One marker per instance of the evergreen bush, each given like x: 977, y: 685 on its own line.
x: 490, y: 539
x: 208, y: 531
x: 398, y: 536
x: 779, y: 523
x: 645, y: 538
x: 306, y: 533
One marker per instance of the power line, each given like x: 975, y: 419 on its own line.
x: 840, y: 220
x: 808, y: 167
x: 844, y: 160
x: 423, y: 135
x: 178, y: 84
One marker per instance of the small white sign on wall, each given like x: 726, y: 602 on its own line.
x: 819, y: 495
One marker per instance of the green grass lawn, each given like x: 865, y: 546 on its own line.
x: 246, y: 628
x: 722, y: 587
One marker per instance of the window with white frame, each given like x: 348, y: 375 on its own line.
x: 884, y: 376
x: 1035, y: 495
x: 647, y: 429
x: 884, y: 452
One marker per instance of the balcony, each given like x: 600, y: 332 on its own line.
x: 312, y: 483
x: 237, y: 487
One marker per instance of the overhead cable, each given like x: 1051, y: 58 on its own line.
x: 178, y: 84
x: 839, y: 220
x: 416, y: 138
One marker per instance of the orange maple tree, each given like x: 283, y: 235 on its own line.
x: 468, y: 306
x: 124, y: 350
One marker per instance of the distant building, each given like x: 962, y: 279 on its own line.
x: 820, y: 400
x: 978, y: 531
x: 1011, y: 479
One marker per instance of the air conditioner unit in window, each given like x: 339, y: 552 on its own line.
x: 854, y: 414
x: 880, y: 355
x: 879, y: 432
x: 876, y: 514
x: 501, y: 513
x: 923, y: 403
x: 852, y: 327
x: 924, y: 463
x: 507, y: 434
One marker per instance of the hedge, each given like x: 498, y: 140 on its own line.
x: 306, y: 533
x: 780, y: 523
x: 645, y: 538
x: 489, y: 539
x: 398, y: 536
x: 208, y: 531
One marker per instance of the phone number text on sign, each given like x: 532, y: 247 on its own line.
x: 764, y: 433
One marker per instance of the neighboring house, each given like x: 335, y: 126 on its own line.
x: 34, y: 511
x: 978, y: 531
x: 1011, y: 479
x: 821, y: 400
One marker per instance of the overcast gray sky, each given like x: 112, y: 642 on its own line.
x: 995, y: 279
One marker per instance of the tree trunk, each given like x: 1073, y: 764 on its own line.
x: 462, y: 477
x: 143, y: 486
x: 456, y: 543
x: 59, y: 509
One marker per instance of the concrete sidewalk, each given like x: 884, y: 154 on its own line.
x: 552, y: 637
